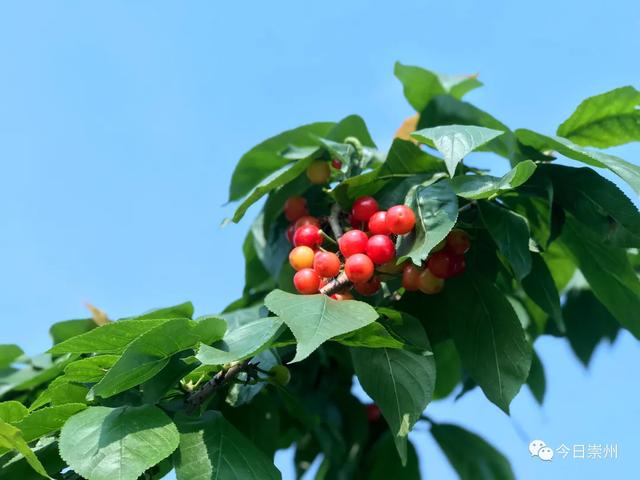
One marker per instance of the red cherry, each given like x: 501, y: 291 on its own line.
x: 410, y: 276
x: 363, y: 208
x: 307, y: 220
x: 337, y: 164
x: 308, y: 235
x: 306, y: 281
x: 358, y: 268
x: 355, y: 223
x: 378, y: 224
x: 342, y: 296
x: 294, y: 208
x: 380, y: 249
x: 458, y: 265
x: 373, y: 412
x: 428, y: 283
x: 458, y: 242
x: 368, y: 288
x: 291, y: 229
x: 327, y: 264
x: 352, y: 242
x: 301, y: 257
x: 440, y: 264
x: 400, y: 219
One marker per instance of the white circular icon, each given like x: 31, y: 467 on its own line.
x: 545, y: 453
x: 535, y: 446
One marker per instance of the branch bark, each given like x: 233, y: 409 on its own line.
x: 334, y: 221
x: 220, y: 379
x: 335, y: 285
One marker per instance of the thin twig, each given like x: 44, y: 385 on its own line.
x: 466, y: 207
x: 334, y: 221
x: 221, y: 378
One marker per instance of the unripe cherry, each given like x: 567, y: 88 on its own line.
x: 458, y: 241
x: 301, y: 257
x: 428, y: 283
x: 410, y: 277
x: 327, y: 264
x: 363, y: 208
x: 358, y: 268
x: 378, y: 224
x: 306, y: 281
x: 400, y: 219
x: 307, y: 220
x: 368, y: 288
x: 280, y: 375
x: 439, y: 264
x: 294, y: 208
x: 308, y: 235
x: 318, y: 172
x: 380, y: 249
x: 352, y: 242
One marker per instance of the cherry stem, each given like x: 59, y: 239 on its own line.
x: 334, y: 220
x: 326, y: 236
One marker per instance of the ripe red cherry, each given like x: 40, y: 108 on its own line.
x: 291, y: 229
x: 458, y: 265
x: 352, y: 242
x: 318, y: 172
x: 294, y: 208
x: 400, y: 219
x: 458, y: 242
x: 301, y: 257
x: 342, y: 296
x: 428, y: 283
x: 373, y: 412
x: 363, y: 208
x: 307, y: 220
x: 358, y: 268
x: 308, y: 235
x: 380, y: 249
x: 355, y: 223
x: 337, y: 164
x: 410, y: 276
x: 368, y: 288
x: 378, y: 224
x: 306, y: 281
x: 440, y: 264
x: 327, y: 264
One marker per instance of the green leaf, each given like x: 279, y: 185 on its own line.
x: 47, y: 420
x: 266, y: 158
x: 149, y: 354
x: 241, y: 342
x: 588, y: 323
x: 448, y: 368
x: 455, y: 141
x: 12, y: 411
x: 608, y: 272
x: 537, y: 381
x: 11, y: 438
x: 606, y: 120
x: 421, y: 85
x: 110, y: 338
x: 477, y: 187
x: 406, y: 157
x: 436, y: 209
x: 373, y: 335
x: 629, y: 172
x: 182, y: 310
x: 8, y: 354
x: 47, y: 454
x: 67, y: 329
x: 540, y: 287
x: 211, y: 448
x: 382, y: 462
x: 400, y: 382
x: 470, y: 455
x: 104, y: 443
x: 90, y: 370
x: 314, y: 319
x: 497, y: 354
x: 510, y: 231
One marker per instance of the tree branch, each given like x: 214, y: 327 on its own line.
x: 334, y: 221
x: 220, y: 379
x: 339, y: 283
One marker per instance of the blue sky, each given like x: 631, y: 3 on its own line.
x: 122, y: 121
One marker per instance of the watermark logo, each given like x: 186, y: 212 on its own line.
x: 537, y: 448
x: 587, y: 451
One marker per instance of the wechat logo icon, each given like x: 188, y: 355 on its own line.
x: 538, y: 448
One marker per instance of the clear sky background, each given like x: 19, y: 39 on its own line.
x: 121, y: 122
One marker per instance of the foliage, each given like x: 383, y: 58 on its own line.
x: 553, y: 252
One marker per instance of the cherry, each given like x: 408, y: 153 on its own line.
x: 363, y: 208
x: 378, y: 223
x: 337, y: 164
x: 280, y: 375
x: 294, y: 208
x: 327, y: 264
x: 410, y: 277
x: 400, y: 219
x: 306, y: 281
x: 368, y: 288
x: 301, y: 257
x: 390, y: 268
x: 308, y: 235
x: 355, y: 223
x: 458, y: 242
x: 440, y: 264
x: 428, y: 283
x: 342, y: 296
x: 352, y: 242
x: 380, y: 249
x: 358, y: 268
x: 291, y: 229
x: 307, y: 220
x: 439, y: 246
x: 373, y: 412
x: 458, y: 265
x: 318, y: 172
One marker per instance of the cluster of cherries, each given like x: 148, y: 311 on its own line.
x: 363, y: 253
